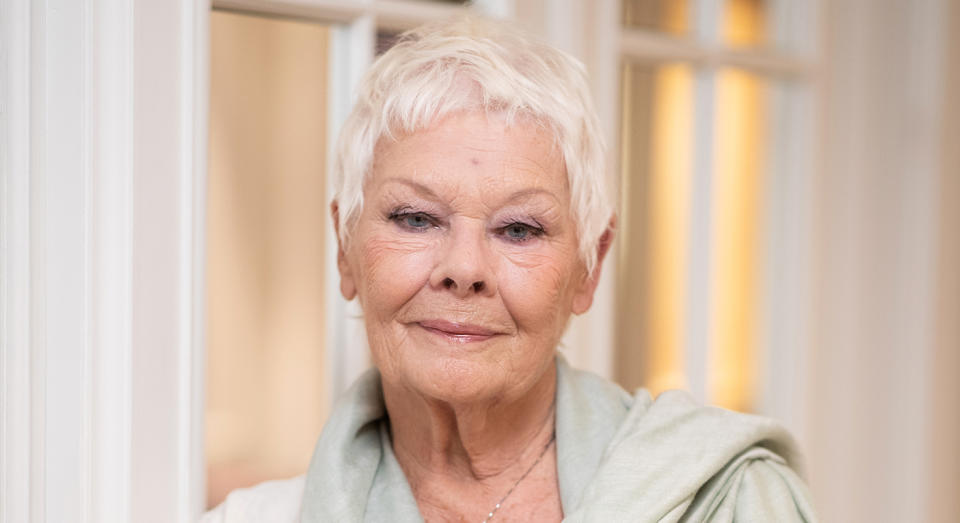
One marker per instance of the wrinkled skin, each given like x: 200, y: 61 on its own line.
x: 464, y: 260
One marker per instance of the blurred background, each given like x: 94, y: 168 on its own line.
x: 170, y: 327
x: 788, y: 243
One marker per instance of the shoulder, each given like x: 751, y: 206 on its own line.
x: 712, y: 430
x: 277, y: 501
x: 673, y: 457
x: 771, y: 491
x: 750, y: 464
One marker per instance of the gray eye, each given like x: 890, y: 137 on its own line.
x: 417, y: 221
x: 518, y: 231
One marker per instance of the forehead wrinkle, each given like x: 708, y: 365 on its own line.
x: 416, y: 186
x: 541, y: 165
x: 531, y: 193
x: 520, y: 196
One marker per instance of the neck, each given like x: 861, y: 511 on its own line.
x: 491, y: 441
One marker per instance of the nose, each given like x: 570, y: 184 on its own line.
x: 465, y: 265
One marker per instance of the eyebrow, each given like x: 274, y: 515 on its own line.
x: 419, y: 187
x: 428, y: 192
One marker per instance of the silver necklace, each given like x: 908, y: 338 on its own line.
x: 505, y: 496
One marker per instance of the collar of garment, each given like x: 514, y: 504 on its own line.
x: 619, y: 457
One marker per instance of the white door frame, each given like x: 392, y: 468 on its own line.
x: 102, y: 234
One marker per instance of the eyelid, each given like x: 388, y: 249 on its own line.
x: 406, y: 210
x: 399, y: 214
x: 533, y: 232
x: 532, y: 223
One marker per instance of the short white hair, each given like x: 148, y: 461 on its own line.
x: 421, y: 79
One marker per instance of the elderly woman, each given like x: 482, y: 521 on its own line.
x: 473, y: 218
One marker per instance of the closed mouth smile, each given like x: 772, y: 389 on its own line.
x: 459, y: 332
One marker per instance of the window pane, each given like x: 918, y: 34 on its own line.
x: 739, y: 176
x: 669, y: 16
x: 265, y: 243
x: 745, y: 22
x: 657, y: 151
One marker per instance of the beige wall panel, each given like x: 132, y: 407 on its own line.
x: 873, y: 353
x: 265, y: 396
x: 945, y: 448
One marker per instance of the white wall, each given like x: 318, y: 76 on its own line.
x: 877, y: 233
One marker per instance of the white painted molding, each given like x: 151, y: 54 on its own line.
x: 787, y: 258
x: 109, y: 235
x: 194, y: 109
x: 169, y: 150
x: 389, y: 14
x: 591, y: 34
x: 506, y: 9
x: 642, y: 45
x: 335, y: 11
x: 698, y: 295
x: 600, y: 40
x: 18, y: 464
x: 347, y: 355
x: 786, y: 306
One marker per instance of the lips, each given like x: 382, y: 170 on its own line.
x: 460, y: 332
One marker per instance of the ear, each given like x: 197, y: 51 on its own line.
x: 348, y: 285
x: 584, y: 297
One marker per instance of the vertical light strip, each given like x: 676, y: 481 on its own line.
x: 630, y: 238
x: 739, y: 157
x: 667, y: 217
x: 738, y: 231
x: 657, y: 184
x: 656, y: 179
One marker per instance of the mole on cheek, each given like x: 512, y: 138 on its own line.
x: 474, y: 161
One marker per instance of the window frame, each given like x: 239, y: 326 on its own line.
x: 792, y: 67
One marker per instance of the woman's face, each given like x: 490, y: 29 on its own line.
x: 464, y: 258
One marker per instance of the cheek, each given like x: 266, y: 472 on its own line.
x: 537, y: 291
x: 391, y: 272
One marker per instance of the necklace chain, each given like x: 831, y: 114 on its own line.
x: 529, y: 470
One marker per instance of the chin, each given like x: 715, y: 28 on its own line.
x: 461, y: 380
x: 465, y: 380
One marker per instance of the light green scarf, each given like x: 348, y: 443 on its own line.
x: 619, y: 458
